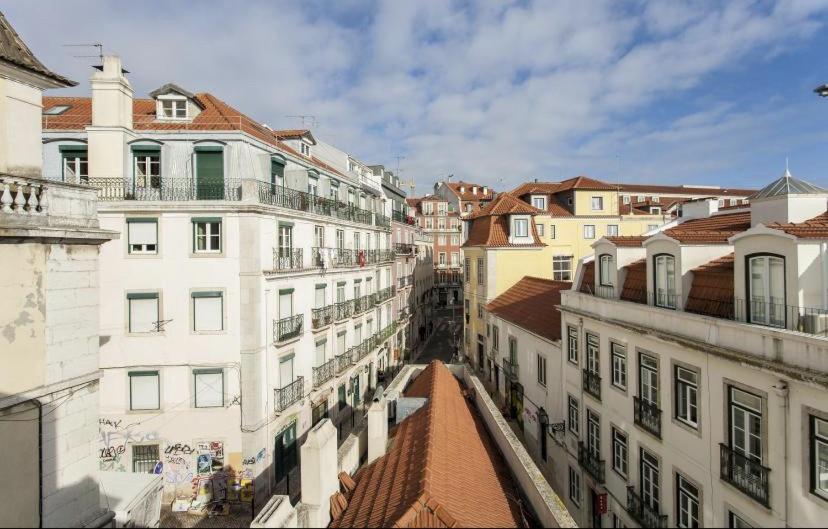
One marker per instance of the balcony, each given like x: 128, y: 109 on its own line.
x: 591, y: 462
x: 362, y: 304
x: 172, y: 189
x: 591, y: 382
x: 322, y: 317
x: 332, y: 257
x: 642, y: 512
x: 386, y: 332
x: 510, y: 370
x: 403, y: 249
x: 385, y: 294
x: 745, y: 474
x: 288, y: 328
x: 300, y: 201
x: 404, y: 314
x: 382, y: 221
x: 647, y: 416
x: 324, y: 373
x: 344, y: 310
x: 344, y: 361
x: 285, y: 397
x: 605, y: 291
x: 399, y: 216
x: 286, y: 259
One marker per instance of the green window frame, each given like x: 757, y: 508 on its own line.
x: 135, y: 296
x: 209, y: 168
x: 76, y: 158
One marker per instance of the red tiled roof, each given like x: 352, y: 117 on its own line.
x: 643, y: 189
x: 536, y: 188
x: 585, y: 182
x: 627, y: 241
x: 441, y: 469
x: 815, y: 228
x: 14, y: 50
x: 290, y: 133
x: 493, y: 232
x: 711, y: 292
x: 588, y: 278
x: 635, y: 282
x: 217, y: 115
x: 467, y: 194
x: 531, y: 303
x: 711, y: 230
x: 505, y: 204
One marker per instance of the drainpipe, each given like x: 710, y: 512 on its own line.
x: 823, y: 254
x: 781, y: 390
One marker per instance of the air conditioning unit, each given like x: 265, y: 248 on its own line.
x: 815, y: 323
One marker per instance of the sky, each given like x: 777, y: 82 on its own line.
x: 493, y: 92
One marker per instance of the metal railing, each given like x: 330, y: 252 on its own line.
x: 744, y: 473
x: 280, y: 196
x: 591, y: 382
x: 399, y: 216
x: 344, y: 361
x: 360, y: 304
x: 324, y: 373
x: 288, y: 328
x: 605, y: 291
x: 166, y: 189
x: 642, y: 512
x: 382, y: 221
x: 385, y: 294
x: 333, y: 257
x: 287, y: 259
x: 403, y: 248
x: 647, y: 416
x: 344, y: 309
x: 287, y: 396
x: 322, y: 317
x: 591, y: 462
x: 666, y: 299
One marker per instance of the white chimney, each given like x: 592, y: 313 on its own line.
x: 319, y: 471
x: 377, y: 429
x: 700, y: 208
x: 111, y: 127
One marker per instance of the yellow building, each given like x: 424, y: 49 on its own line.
x: 541, y: 230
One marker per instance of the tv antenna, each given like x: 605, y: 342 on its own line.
x: 159, y: 324
x: 307, y: 119
x: 97, y: 45
x: 398, y: 157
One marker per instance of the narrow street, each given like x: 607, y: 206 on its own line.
x: 441, y: 344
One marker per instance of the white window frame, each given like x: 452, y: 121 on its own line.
x: 540, y: 229
x: 539, y: 203
x: 818, y: 473
x: 618, y: 365
x: 589, y: 231
x: 142, y: 249
x: 606, y: 264
x: 600, y: 203
x: 766, y: 308
x: 178, y: 107
x: 521, y: 227
x: 572, y: 344
x: 687, y: 396
x: 612, y: 230
x: 559, y: 271
x: 688, y: 500
x: 665, y: 281
x: 620, y: 452
x: 212, y: 232
x: 573, y: 416
x: 541, y: 370
x: 574, y: 487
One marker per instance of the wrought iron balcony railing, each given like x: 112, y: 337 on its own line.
x: 288, y: 328
x: 160, y: 188
x: 287, y: 259
x: 344, y: 361
x: 647, y: 416
x: 746, y: 474
x: 324, y: 373
x: 343, y: 309
x: 403, y: 248
x: 591, y: 462
x: 382, y: 221
x: 591, y: 382
x: 322, y: 317
x: 285, y: 397
x: 275, y: 195
x: 399, y: 216
x: 333, y: 257
x: 643, y: 512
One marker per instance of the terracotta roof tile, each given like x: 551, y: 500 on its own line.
x: 643, y: 189
x: 531, y: 303
x: 815, y: 228
x: 711, y: 230
x: 711, y: 292
x: 585, y: 182
x: 588, y: 278
x: 15, y: 51
x: 441, y: 470
x: 635, y: 282
x: 505, y: 204
x: 493, y: 232
x: 627, y: 241
x: 467, y: 194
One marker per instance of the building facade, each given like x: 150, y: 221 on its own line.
x: 251, y: 294
x: 436, y: 217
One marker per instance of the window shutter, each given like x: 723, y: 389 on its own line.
x: 286, y: 371
x: 209, y: 388
x: 142, y: 232
x: 144, y: 391
x: 209, y: 174
x: 319, y: 302
x: 143, y: 313
x: 208, y: 311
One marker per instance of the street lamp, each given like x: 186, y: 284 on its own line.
x: 822, y: 90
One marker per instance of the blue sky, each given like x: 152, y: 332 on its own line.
x: 493, y: 92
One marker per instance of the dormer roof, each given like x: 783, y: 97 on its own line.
x: 505, y: 204
x: 788, y: 185
x: 295, y: 134
x: 172, y: 88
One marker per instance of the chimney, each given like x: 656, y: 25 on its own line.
x: 377, y: 429
x: 111, y: 127
x: 700, y: 208
x: 319, y: 470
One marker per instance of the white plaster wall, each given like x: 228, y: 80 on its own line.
x: 21, y: 107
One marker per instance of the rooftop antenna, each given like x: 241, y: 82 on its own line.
x: 398, y: 157
x: 97, y: 45
x: 306, y: 119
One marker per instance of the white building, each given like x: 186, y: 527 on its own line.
x: 695, y: 370
x: 249, y: 297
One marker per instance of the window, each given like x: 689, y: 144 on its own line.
x: 428, y: 208
x: 513, y: 351
x: 617, y: 522
x: 441, y: 240
x: 208, y: 311
x: 340, y: 342
x: 589, y: 231
x: 551, y: 231
x: 277, y: 173
x: 626, y: 199
x: 572, y: 344
x: 143, y: 236
x: 541, y: 370
x: 736, y: 522
x: 144, y: 459
x: 333, y: 191
x: 687, y: 503
x: 313, y: 186
x: 649, y: 481
x: 429, y: 224
x: 207, y: 235
x: 208, y: 386
x: 819, y: 457
x: 441, y: 259
x: 441, y: 209
x: 665, y: 281
x: 618, y: 354
x: 481, y: 272
x: 593, y: 354
x: 455, y: 240
x: 147, y: 168
x: 341, y: 397
x: 321, y: 350
x: 574, y: 487
x: 655, y: 210
x: 619, y: 452
x: 320, y: 295
x: 441, y: 223
x: 75, y: 163
x: 174, y: 108
x: 746, y: 426
x: 648, y: 379
x: 573, y: 422
x: 605, y: 271
x: 612, y: 230
x: 521, y: 228
x: 562, y: 268
x: 144, y: 391
x: 286, y: 370
x: 56, y: 110
x: 340, y: 239
x: 687, y: 395
x: 468, y: 269
x: 594, y: 434
x: 767, y: 290
x: 479, y: 311
x: 597, y: 203
x: 455, y: 259
x: 655, y: 199
x: 285, y: 452
x: 539, y: 202
x: 319, y: 412
x: 495, y: 338
x: 305, y: 148
x: 319, y: 236
x: 143, y: 310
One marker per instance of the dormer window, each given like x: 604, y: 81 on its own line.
x: 605, y: 269
x: 655, y: 211
x: 597, y: 203
x: 767, y: 290
x: 539, y: 203
x: 656, y: 199
x: 626, y: 199
x: 306, y: 150
x: 56, y: 110
x: 521, y: 227
x: 174, y: 108
x: 665, y: 281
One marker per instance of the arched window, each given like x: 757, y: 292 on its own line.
x: 605, y: 270
x: 766, y: 290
